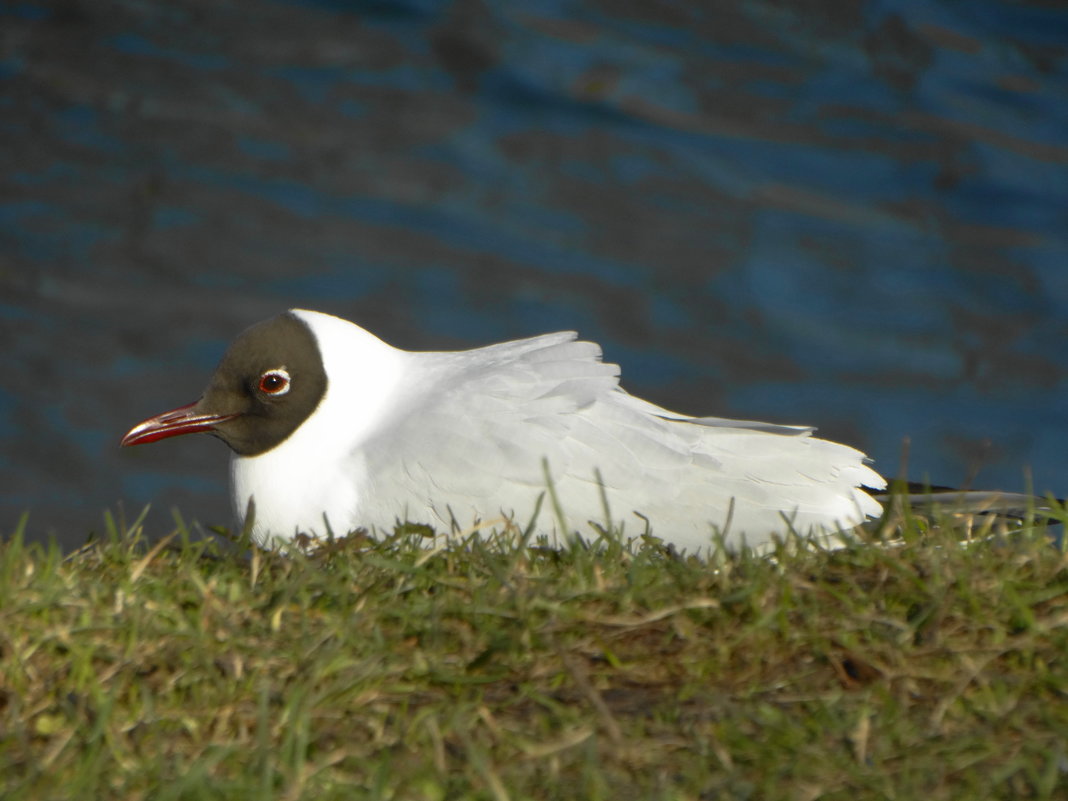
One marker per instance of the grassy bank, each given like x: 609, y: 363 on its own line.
x: 188, y: 670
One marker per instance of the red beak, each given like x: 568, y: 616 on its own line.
x: 183, y: 420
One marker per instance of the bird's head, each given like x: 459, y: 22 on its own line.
x: 269, y: 382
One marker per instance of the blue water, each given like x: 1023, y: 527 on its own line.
x: 854, y: 217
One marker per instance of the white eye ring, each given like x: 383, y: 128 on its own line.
x: 274, y: 382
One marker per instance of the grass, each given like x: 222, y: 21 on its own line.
x: 188, y: 669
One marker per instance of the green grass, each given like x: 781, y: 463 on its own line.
x: 192, y: 670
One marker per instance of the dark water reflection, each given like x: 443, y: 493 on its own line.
x: 855, y: 217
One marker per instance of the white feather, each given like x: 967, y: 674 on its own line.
x: 453, y: 438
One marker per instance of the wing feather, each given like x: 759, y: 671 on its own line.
x: 468, y: 441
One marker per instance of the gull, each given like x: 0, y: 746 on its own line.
x: 333, y: 430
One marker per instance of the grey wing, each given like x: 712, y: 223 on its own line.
x: 473, y: 445
x: 470, y: 442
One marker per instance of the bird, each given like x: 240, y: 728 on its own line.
x: 332, y: 430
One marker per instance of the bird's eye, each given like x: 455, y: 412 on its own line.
x: 274, y: 382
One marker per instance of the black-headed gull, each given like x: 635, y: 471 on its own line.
x: 332, y: 429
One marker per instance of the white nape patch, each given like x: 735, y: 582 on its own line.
x: 318, y: 471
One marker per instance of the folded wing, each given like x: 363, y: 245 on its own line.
x: 469, y: 442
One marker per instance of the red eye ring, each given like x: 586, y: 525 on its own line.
x: 274, y: 382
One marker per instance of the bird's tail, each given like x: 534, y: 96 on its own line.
x: 978, y: 514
